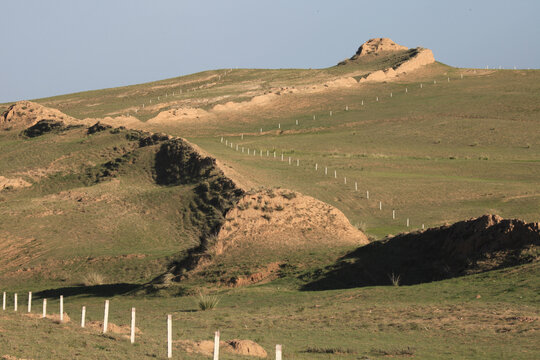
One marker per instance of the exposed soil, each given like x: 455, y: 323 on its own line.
x: 27, y: 113
x: 467, y: 247
x: 236, y: 346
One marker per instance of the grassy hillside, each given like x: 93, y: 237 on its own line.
x: 432, y: 145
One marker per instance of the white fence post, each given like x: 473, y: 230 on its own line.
x: 106, y: 317
x: 325, y: 170
x: 278, y: 352
x: 29, y: 301
x: 380, y: 205
x: 132, y: 337
x: 423, y: 227
x: 393, y: 214
x: 216, y: 345
x: 15, y: 302
x: 83, y: 316
x: 44, y: 308
x: 4, y: 301
x: 61, y: 308
x: 355, y: 186
x: 289, y: 160
x: 362, y: 102
x: 297, y: 162
x: 335, y: 174
x: 316, y: 167
x: 169, y: 336
x: 367, y: 194
x: 279, y: 125
x: 297, y: 122
x: 345, y: 180
x: 408, y: 222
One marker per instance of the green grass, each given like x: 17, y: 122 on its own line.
x: 446, y: 152
x: 443, y: 319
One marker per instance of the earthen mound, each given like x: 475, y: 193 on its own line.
x: 238, y: 347
x: 377, y: 46
x: 6, y: 183
x: 466, y: 247
x: 284, y: 218
x: 23, y: 114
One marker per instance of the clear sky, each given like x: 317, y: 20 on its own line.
x: 63, y: 46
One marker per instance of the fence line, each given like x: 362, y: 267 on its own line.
x: 335, y: 171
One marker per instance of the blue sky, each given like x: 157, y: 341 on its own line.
x: 56, y: 47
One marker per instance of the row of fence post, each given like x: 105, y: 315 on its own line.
x: 106, y: 322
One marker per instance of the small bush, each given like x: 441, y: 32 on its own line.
x: 93, y: 279
x: 394, y: 279
x: 207, y: 302
x: 279, y: 208
x: 267, y: 217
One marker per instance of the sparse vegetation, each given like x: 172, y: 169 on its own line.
x: 207, y: 302
x: 92, y: 279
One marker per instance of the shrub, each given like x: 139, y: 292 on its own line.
x: 394, y: 279
x: 289, y: 195
x: 92, y: 279
x: 207, y: 302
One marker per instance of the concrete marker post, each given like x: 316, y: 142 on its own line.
x: 377, y: 98
x: 406, y: 90
x: 83, y: 317
x: 222, y: 139
x: 281, y: 156
x: 61, y: 308
x: 335, y: 174
x: 393, y: 214
x: 132, y: 335
x: 330, y: 112
x: 461, y: 76
x: 242, y: 136
x: 347, y: 108
x: 297, y: 162
x: 421, y: 85
x: 106, y: 317
x: 274, y: 154
x: 278, y: 352
x: 44, y: 308
x: 15, y: 302
x: 367, y: 194
x: 29, y: 301
x: 267, y: 153
x: 408, y: 223
x: 4, y: 301
x: 362, y: 102
x: 279, y: 126
x: 289, y: 160
x: 316, y: 167
x: 355, y: 186
x: 434, y: 81
x: 390, y: 94
x: 242, y: 149
x: 169, y: 336
x: 380, y: 205
x: 325, y: 171
x: 236, y: 147
x: 296, y: 122
x: 260, y: 154
x: 423, y: 227
x: 216, y: 345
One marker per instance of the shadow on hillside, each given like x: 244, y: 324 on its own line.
x: 95, y: 290
x: 467, y: 247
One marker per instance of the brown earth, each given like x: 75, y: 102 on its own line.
x: 466, y: 247
x: 282, y: 218
x: 236, y: 346
x: 377, y: 46
x: 27, y: 113
x: 12, y: 183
